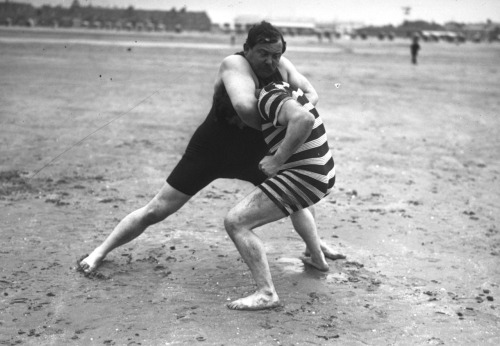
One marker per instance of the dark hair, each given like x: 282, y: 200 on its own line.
x: 264, y: 32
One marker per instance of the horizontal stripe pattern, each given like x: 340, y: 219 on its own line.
x: 309, y: 174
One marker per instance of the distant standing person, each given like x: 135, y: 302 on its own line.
x: 414, y: 47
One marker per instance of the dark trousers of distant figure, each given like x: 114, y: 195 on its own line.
x: 414, y: 58
x: 414, y: 53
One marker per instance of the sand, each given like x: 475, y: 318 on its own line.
x: 415, y: 209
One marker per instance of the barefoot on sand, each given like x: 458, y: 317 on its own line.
x: 328, y: 252
x: 319, y: 266
x: 87, y: 264
x: 256, y: 301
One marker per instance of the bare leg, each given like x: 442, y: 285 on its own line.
x: 253, y: 211
x: 165, y: 203
x: 302, y: 225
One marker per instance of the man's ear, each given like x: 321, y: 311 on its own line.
x: 245, y: 47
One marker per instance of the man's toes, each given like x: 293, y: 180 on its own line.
x: 334, y: 257
x: 233, y: 306
x: 86, y: 267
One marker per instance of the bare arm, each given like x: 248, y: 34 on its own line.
x: 299, y: 123
x: 240, y: 83
x: 298, y: 80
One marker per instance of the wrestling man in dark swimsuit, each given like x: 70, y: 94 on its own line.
x: 228, y: 144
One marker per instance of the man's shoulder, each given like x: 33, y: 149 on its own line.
x: 235, y: 63
x: 233, y: 60
x: 285, y: 63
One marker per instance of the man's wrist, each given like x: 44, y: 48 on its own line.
x: 279, y: 158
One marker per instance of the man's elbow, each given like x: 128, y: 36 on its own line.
x: 305, y: 119
x: 247, y: 115
x: 243, y: 110
x: 313, y: 98
x: 310, y: 120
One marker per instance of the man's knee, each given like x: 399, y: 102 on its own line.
x: 232, y: 222
x: 154, y: 212
x: 164, y: 204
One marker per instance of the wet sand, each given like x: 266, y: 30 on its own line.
x: 415, y: 209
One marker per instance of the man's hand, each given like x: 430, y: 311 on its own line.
x: 270, y: 165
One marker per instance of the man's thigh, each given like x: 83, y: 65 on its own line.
x: 168, y: 200
x: 193, y: 172
x: 255, y: 210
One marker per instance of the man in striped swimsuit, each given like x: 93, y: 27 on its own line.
x: 294, y: 184
x: 309, y: 174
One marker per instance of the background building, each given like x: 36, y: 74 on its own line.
x: 14, y: 13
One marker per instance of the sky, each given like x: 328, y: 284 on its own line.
x: 368, y: 12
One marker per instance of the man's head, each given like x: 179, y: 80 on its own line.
x: 263, y: 48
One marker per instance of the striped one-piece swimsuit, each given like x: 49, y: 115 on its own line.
x: 309, y: 174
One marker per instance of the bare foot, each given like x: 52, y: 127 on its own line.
x: 320, y: 266
x: 327, y: 251
x: 87, y: 264
x: 256, y: 301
